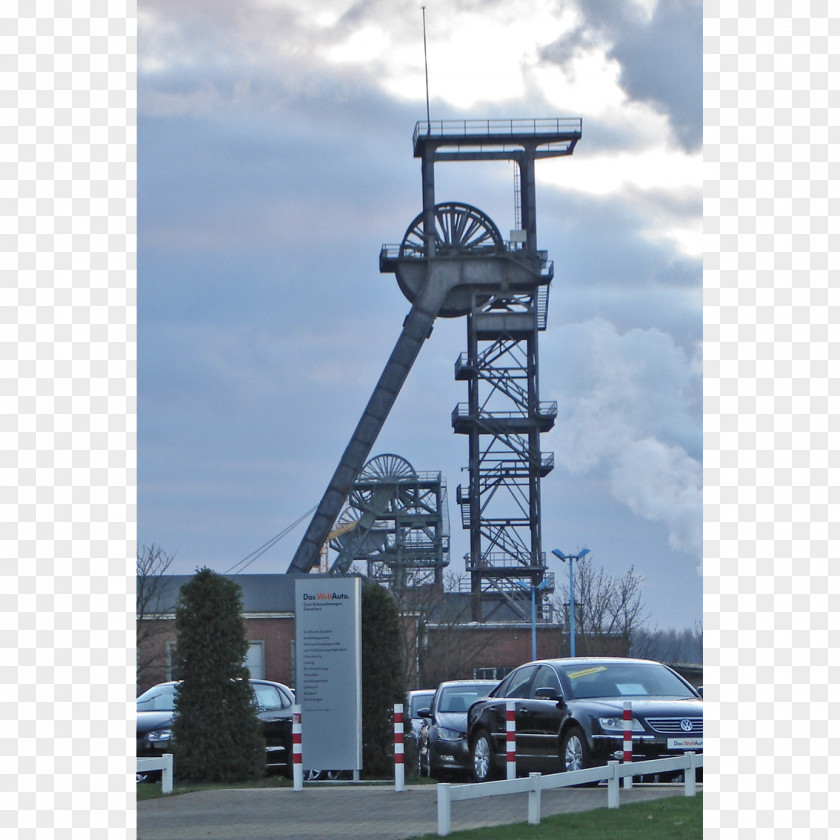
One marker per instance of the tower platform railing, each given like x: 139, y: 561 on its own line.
x: 567, y: 127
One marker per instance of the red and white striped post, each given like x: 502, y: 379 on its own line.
x: 297, y: 749
x: 399, y: 748
x: 510, y: 738
x: 628, y: 740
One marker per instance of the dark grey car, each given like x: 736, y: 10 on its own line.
x: 443, y: 739
x: 569, y: 715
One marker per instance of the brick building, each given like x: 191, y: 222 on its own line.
x: 441, y: 640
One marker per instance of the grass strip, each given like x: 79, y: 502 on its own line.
x: 671, y: 818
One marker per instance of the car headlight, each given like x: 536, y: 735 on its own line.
x: 449, y: 734
x: 615, y: 725
x: 159, y: 736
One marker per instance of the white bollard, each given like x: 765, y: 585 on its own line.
x: 297, y: 749
x: 399, y: 749
x: 166, y: 775
x: 444, y: 803
x: 534, y: 799
x: 613, y: 786
x: 628, y: 741
x: 690, y: 776
x: 510, y: 738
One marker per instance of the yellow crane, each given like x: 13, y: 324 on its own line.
x: 324, y: 565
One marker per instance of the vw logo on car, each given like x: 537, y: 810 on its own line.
x: 686, y: 725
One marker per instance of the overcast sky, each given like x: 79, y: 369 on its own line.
x: 274, y: 161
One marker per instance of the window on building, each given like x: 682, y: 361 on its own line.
x: 255, y: 660
x: 171, y: 667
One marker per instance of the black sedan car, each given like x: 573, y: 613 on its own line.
x: 443, y: 737
x: 272, y: 704
x: 569, y: 715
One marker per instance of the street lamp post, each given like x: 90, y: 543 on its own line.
x: 534, y: 588
x: 571, y: 557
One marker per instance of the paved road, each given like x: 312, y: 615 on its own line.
x: 368, y: 812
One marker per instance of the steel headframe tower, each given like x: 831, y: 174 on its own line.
x: 503, y: 416
x: 453, y: 262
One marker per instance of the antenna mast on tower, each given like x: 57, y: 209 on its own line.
x: 426, y: 64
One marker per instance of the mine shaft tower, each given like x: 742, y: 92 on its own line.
x: 453, y: 262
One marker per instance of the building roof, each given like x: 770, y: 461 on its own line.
x: 261, y: 593
x: 275, y: 593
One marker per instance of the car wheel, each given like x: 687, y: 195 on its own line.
x: 483, y: 758
x: 574, y: 751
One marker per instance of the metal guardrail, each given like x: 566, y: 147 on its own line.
x: 493, y: 559
x: 478, y: 128
x: 390, y: 253
x: 546, y: 408
x: 536, y: 783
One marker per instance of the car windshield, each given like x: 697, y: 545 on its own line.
x: 458, y: 698
x: 159, y: 698
x: 623, y: 679
x: 419, y: 701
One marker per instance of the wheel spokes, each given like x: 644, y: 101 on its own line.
x: 574, y: 754
x: 459, y: 229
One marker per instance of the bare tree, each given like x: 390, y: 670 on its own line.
x: 672, y: 646
x: 605, y: 605
x: 441, y: 641
x: 152, y: 563
x: 697, y: 637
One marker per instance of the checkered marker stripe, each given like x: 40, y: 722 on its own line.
x: 627, y: 716
x: 297, y: 748
x: 510, y: 737
x: 399, y: 748
x: 399, y: 744
x: 297, y: 739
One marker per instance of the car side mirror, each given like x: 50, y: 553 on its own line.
x: 550, y: 694
x: 424, y: 713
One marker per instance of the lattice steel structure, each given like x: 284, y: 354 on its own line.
x: 453, y: 261
x: 503, y: 419
x: 400, y: 520
x: 503, y: 416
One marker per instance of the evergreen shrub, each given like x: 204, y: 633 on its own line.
x: 216, y: 734
x: 383, y: 678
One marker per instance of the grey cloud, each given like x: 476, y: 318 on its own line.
x: 605, y: 265
x: 662, y: 63
x: 661, y: 59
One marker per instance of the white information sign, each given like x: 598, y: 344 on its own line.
x: 328, y: 645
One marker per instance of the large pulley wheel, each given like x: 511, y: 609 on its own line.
x: 375, y: 492
x: 387, y: 467
x: 376, y: 482
x: 460, y: 230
